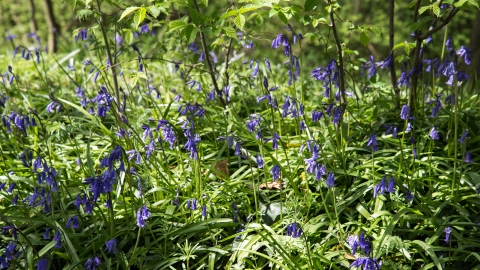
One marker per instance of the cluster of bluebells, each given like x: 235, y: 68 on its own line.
x: 294, y: 230
x: 364, y: 261
x: 311, y: 165
x: 383, y: 187
x: 102, y: 184
x: 19, y: 121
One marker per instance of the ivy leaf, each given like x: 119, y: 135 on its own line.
x: 239, y: 21
x: 364, y: 38
x: 310, y: 4
x: 230, y: 32
x: 139, y: 16
x: 127, y: 12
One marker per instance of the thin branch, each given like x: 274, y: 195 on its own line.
x: 207, y: 59
x: 341, y: 76
x: 440, y: 26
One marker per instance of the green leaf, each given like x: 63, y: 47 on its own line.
x: 460, y: 3
x: 230, y: 32
x: 154, y: 11
x: 189, y: 32
x: 195, y: 16
x: 205, y: 2
x: 283, y: 17
x: 177, y: 24
x: 436, y: 10
x: 127, y: 12
x: 310, y: 4
x: 248, y: 8
x: 239, y: 21
x: 423, y: 9
x: 139, y: 16
x: 230, y: 13
x: 364, y: 38
x: 73, y: 3
x: 473, y: 3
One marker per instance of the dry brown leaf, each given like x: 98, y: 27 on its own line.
x: 272, y: 185
x: 222, y: 166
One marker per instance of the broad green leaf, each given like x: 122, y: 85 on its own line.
x: 189, y: 32
x: 310, y: 4
x: 230, y: 32
x: 248, y: 8
x: 139, y: 16
x: 154, y: 11
x: 205, y: 2
x: 73, y: 3
x: 364, y: 38
x: 177, y: 24
x: 436, y: 10
x: 239, y: 21
x: 127, y: 12
x: 460, y: 3
x: 473, y: 3
x: 230, y: 13
x: 429, y: 250
x: 195, y: 16
x: 421, y: 10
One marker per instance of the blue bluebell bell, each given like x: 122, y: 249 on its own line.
x: 57, y: 239
x: 434, y: 134
x: 466, y: 54
x: 275, y: 172
x: 463, y: 137
x: 372, y: 141
x: 92, y: 263
x: 294, y: 230
x: 468, y: 158
x: 259, y: 160
x: 447, y: 231
x: 111, y: 246
x: 330, y: 180
x: 142, y: 214
x: 404, y: 113
x: 42, y: 264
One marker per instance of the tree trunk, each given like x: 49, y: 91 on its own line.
x: 33, y: 22
x: 53, y: 27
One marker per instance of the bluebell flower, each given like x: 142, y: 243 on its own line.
x: 57, y: 239
x: 142, y: 214
x: 366, y: 263
x: 330, y: 180
x: 275, y: 172
x: 253, y: 122
x: 449, y: 44
x: 275, y: 140
x: 466, y: 54
x: 92, y: 263
x: 255, y: 70
x: 391, y: 185
x: 10, y: 251
x: 429, y: 39
x: 385, y: 63
x: 380, y: 187
x: 371, y: 66
x: 468, y: 158
x: 404, y: 113
x: 204, y: 211
x: 352, y: 241
x: 42, y: 264
x: 11, y: 187
x: 372, y: 141
x: 259, y: 160
x: 434, y: 134
x: 463, y: 137
x: 320, y: 171
x: 192, y: 204
x: 46, y: 235
x: 408, y: 194
x: 111, y: 246
x: 364, y: 244
x: 316, y: 116
x: 72, y: 222
x: 294, y: 230
x: 167, y: 132
x: 447, y: 231
x: 267, y: 63
x: 337, y: 115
